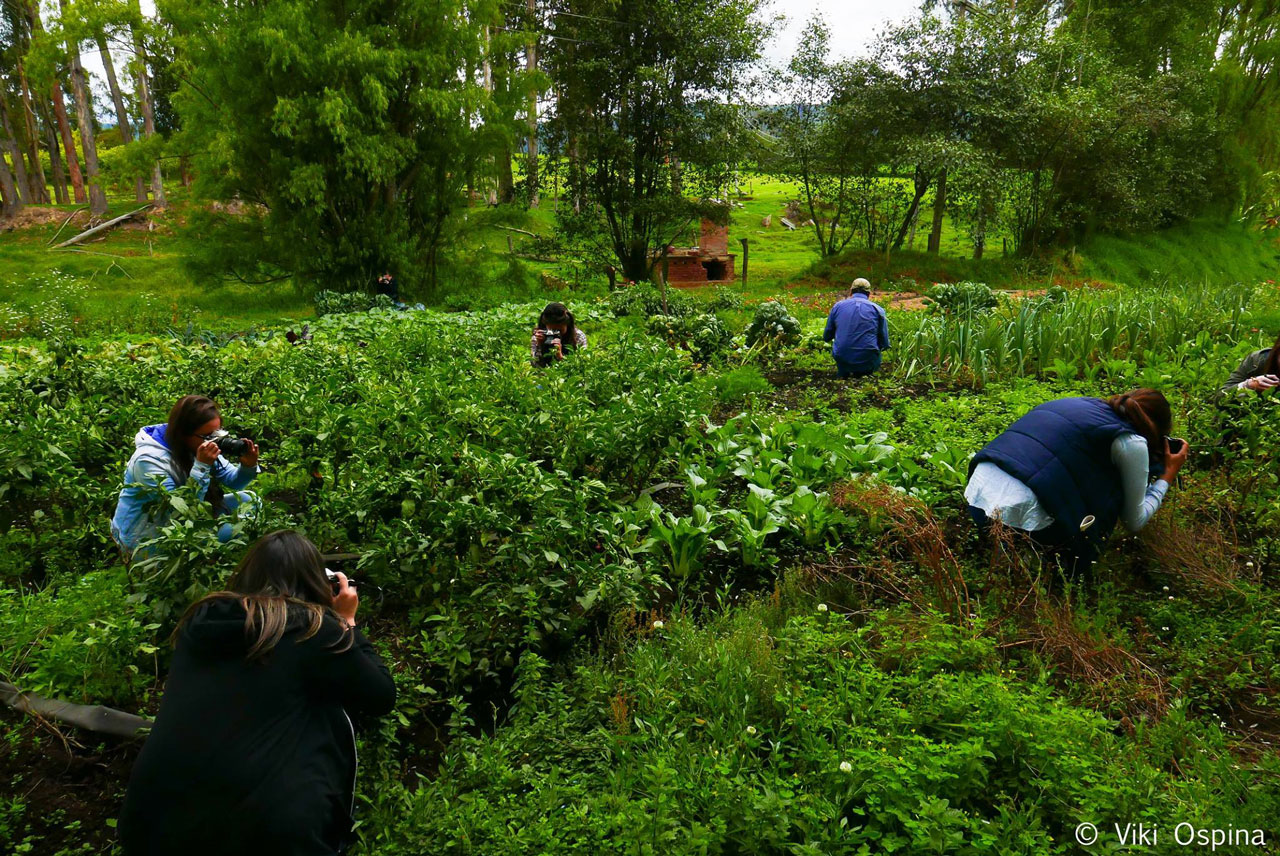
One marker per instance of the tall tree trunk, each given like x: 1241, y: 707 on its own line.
x: 575, y: 172
x: 9, y: 201
x: 506, y: 180
x: 145, y: 101
x: 531, y: 66
x: 68, y: 145
x: 908, y: 222
x: 939, y: 206
x: 122, y: 115
x: 39, y: 188
x: 55, y: 156
x: 487, y: 70
x: 9, y: 145
x: 60, y: 114
x: 84, y: 118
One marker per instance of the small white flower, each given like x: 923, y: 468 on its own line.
x: 822, y: 607
x: 846, y: 767
x: 1165, y: 588
x: 751, y: 729
x: 658, y: 625
x: 1248, y: 564
x: 1170, y: 597
x: 1164, y: 628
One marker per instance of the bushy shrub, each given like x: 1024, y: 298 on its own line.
x: 724, y: 297
x: 773, y: 323
x: 339, y: 302
x: 704, y: 336
x: 87, y: 641
x: 738, y: 384
x: 961, y: 298
x: 644, y: 300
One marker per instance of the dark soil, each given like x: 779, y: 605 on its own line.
x: 796, y: 390
x: 70, y: 789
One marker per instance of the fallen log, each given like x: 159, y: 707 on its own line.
x: 95, y: 717
x: 101, y: 227
x: 521, y: 231
x: 65, y: 222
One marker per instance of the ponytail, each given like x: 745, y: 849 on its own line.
x: 1148, y: 412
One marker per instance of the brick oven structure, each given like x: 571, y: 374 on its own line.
x: 710, y: 261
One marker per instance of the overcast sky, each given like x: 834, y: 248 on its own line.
x: 853, y: 25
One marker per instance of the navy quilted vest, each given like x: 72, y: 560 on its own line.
x: 1062, y: 451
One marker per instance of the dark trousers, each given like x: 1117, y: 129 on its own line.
x: 859, y: 368
x: 1058, y: 542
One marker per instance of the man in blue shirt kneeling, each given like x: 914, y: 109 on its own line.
x: 858, y: 331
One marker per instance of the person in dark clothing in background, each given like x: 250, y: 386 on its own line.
x: 387, y: 285
x: 858, y: 331
x: 253, y: 751
x: 1259, y: 372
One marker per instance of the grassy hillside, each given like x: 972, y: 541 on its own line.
x: 132, y: 279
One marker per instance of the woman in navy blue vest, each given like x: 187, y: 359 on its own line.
x: 1070, y: 469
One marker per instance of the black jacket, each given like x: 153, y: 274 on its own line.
x: 253, y: 757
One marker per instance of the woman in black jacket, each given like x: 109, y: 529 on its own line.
x: 253, y: 750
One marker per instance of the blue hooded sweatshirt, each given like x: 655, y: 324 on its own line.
x: 153, y: 464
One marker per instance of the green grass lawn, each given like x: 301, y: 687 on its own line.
x: 133, y: 280
x: 129, y: 280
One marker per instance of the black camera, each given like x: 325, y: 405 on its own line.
x: 1175, y: 445
x: 552, y: 338
x: 228, y: 446
x: 334, y: 583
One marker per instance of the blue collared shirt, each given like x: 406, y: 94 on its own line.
x: 856, y: 328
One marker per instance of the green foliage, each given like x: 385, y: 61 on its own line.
x: 331, y: 302
x: 644, y: 300
x: 88, y: 642
x: 962, y: 298
x: 738, y: 384
x: 724, y: 298
x: 348, y: 160
x: 704, y: 336
x: 760, y: 733
x: 637, y: 142
x: 772, y: 323
x: 1068, y: 335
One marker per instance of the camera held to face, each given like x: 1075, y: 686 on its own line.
x: 228, y: 446
x: 552, y: 338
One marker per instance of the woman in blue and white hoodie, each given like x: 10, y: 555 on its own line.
x: 168, y: 455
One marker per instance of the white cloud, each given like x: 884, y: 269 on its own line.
x: 853, y: 23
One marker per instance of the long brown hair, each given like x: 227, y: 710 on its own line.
x: 1273, y: 361
x: 281, y: 584
x: 558, y: 313
x: 187, y: 415
x: 1148, y: 412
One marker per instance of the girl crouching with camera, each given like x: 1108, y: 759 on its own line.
x: 253, y: 750
x: 555, y: 336
x: 190, y: 446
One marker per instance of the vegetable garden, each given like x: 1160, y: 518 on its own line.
x: 685, y: 592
